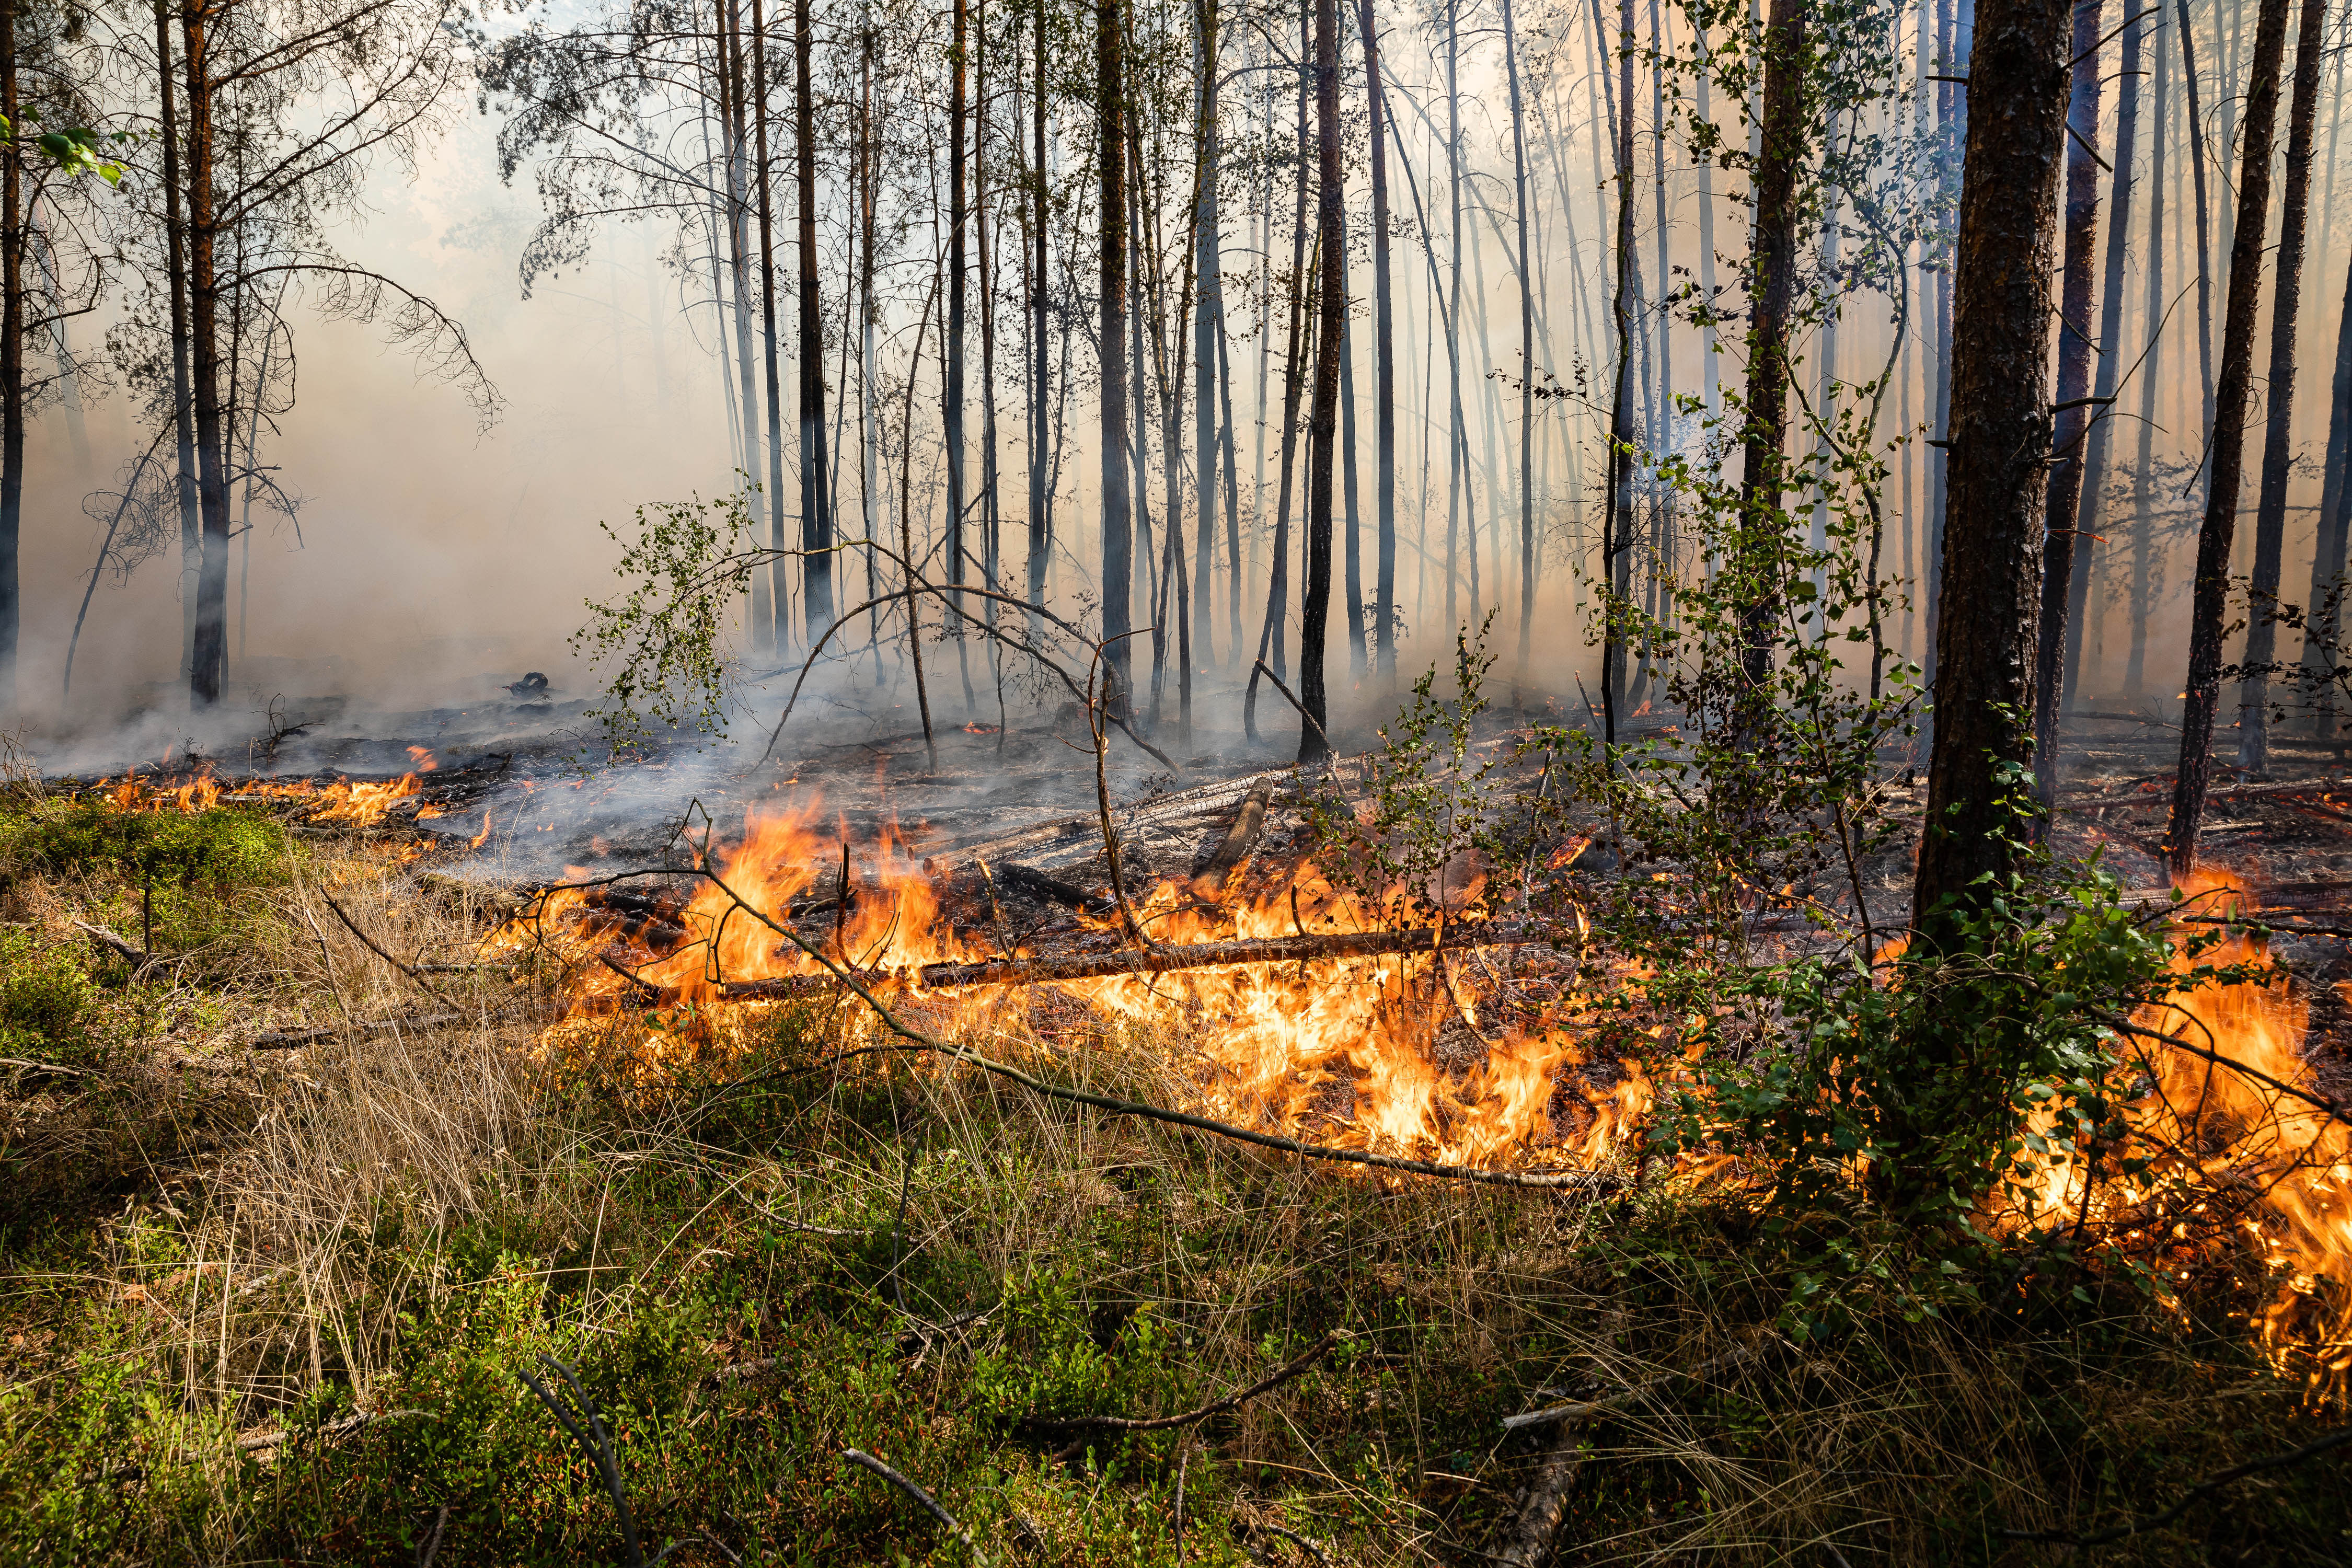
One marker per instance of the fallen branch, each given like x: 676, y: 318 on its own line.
x: 329, y: 1430
x: 2211, y: 1483
x: 1052, y: 889
x: 353, y: 926
x: 1234, y: 1401
x: 43, y: 1067
x: 930, y: 1504
x: 119, y: 945
x: 2318, y: 1102
x: 1154, y: 961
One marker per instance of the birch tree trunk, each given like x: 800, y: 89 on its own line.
x: 1385, y: 358
x: 1117, y: 538
x: 1331, y: 246
x: 816, y: 502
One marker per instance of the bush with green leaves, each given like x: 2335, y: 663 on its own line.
x: 221, y: 849
x: 46, y: 1001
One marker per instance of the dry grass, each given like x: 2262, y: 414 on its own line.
x: 758, y: 1253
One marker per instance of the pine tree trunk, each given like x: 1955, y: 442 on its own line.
x: 952, y: 367
x: 1323, y: 426
x: 1614, y: 520
x: 1041, y: 345
x: 1207, y: 310
x: 816, y: 502
x: 2097, y: 461
x: 183, y: 411
x: 1117, y: 540
x: 2234, y: 388
x: 1772, y: 266
x: 2320, y: 652
x: 1384, y: 357
x: 2151, y: 374
x: 2278, y: 440
x: 2204, y: 216
x: 2000, y: 433
x: 2075, y: 350
x: 211, y: 651
x: 1527, y: 354
x: 12, y: 368
x: 734, y: 124
x: 1350, y: 522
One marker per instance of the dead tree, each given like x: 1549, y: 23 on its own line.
x: 1999, y: 436
x: 1117, y: 535
x: 2233, y: 388
x: 816, y: 506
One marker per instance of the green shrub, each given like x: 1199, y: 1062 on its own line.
x: 220, y: 848
x: 46, y: 1000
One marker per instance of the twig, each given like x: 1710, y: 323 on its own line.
x: 1330, y: 753
x: 120, y: 945
x: 1234, y: 1401
x: 2209, y: 1484
x: 331, y: 1429
x: 1292, y: 1536
x: 1584, y: 1410
x: 2318, y: 1102
x: 600, y: 1451
x: 43, y: 1067
x: 353, y: 926
x: 930, y: 1504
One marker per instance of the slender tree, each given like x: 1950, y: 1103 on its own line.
x: 2215, y: 536
x: 1383, y: 355
x: 2278, y: 438
x: 1118, y: 532
x: 1772, y: 285
x: 779, y: 579
x: 1332, y: 248
x: 2076, y: 352
x: 816, y: 500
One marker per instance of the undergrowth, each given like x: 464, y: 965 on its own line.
x: 759, y: 1252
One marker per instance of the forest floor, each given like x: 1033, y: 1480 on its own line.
x: 307, y: 1179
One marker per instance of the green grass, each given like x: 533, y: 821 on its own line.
x: 775, y: 1254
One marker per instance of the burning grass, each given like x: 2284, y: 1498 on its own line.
x: 762, y: 1238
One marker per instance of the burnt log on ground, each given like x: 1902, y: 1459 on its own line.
x: 1241, y: 835
x: 1142, y: 961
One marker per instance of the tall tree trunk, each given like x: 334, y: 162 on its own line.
x: 1041, y: 345
x: 2000, y: 435
x: 2204, y: 218
x: 1772, y: 285
x: 12, y: 368
x: 1323, y: 427
x: 1952, y: 40
x: 2151, y: 375
x: 2320, y: 652
x: 1527, y: 354
x: 1457, y: 453
x: 734, y: 123
x: 816, y: 502
x: 1207, y: 312
x: 951, y: 366
x: 183, y: 411
x: 2097, y: 460
x: 211, y: 653
x: 2278, y: 441
x: 1350, y: 522
x: 2219, y: 531
x: 2064, y: 493
x: 779, y: 578
x: 1614, y: 520
x: 1384, y: 356
x: 1118, y: 539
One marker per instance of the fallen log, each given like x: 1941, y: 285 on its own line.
x: 294, y: 1039
x: 1052, y: 889
x: 1146, y: 961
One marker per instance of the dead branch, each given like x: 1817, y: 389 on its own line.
x: 281, y: 1436
x: 1153, y: 960
x: 1241, y: 835
x: 1234, y: 1401
x: 20, y: 1063
x: 293, y: 1040
x: 372, y: 946
x: 1029, y: 879
x: 2206, y: 1053
x: 930, y: 1504
x: 119, y: 945
x: 1585, y: 1410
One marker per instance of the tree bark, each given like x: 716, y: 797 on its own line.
x: 2204, y: 216
x: 952, y: 367
x: 2064, y: 499
x: 1208, y: 307
x: 2320, y: 654
x: 1527, y: 354
x: 2152, y: 376
x: 2219, y: 531
x: 1772, y: 281
x: 1621, y: 435
x: 184, y: 412
x: 816, y: 502
x: 12, y: 362
x: 211, y: 650
x: 2000, y: 435
x: 1117, y: 537
x: 2278, y: 440
x: 1323, y: 421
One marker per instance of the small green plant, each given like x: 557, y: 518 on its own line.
x: 46, y: 1002
x: 661, y: 643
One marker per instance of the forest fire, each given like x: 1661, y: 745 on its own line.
x: 357, y: 801
x: 1344, y: 1050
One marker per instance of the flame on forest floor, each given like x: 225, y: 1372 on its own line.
x: 1344, y: 1052
x: 359, y: 801
x: 2227, y: 1152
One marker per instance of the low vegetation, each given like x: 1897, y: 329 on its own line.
x: 283, y: 1305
